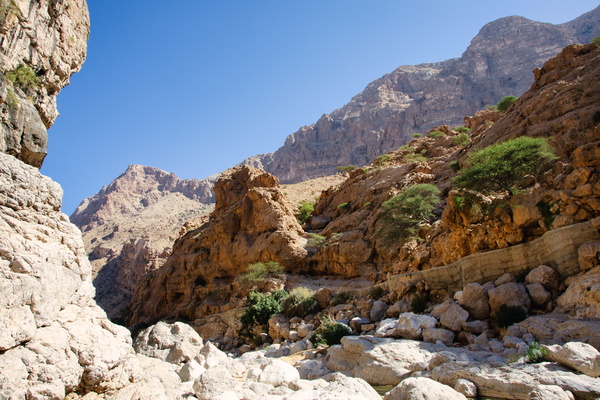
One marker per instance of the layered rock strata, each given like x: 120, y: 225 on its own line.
x: 414, y: 99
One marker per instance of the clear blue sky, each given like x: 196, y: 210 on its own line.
x: 195, y: 86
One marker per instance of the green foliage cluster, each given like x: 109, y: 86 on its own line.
x: 315, y: 240
x: 536, y: 353
x: 509, y: 315
x: 455, y: 165
x: 503, y: 166
x: 415, y: 158
x: 417, y: 135
x: 418, y: 304
x: 383, y: 160
x: 258, y: 271
x: 299, y: 303
x: 461, y: 139
x: 506, y: 102
x: 330, y: 333
x: 463, y: 129
x: 261, y: 307
x: 305, y: 210
x: 545, y: 209
x: 436, y: 134
x: 347, y: 168
x: 402, y: 213
x: 343, y: 298
x: 11, y: 99
x: 377, y: 292
x: 343, y: 206
x: 24, y: 77
x: 596, y: 41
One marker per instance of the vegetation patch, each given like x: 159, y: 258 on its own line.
x: 343, y: 298
x: 596, y: 41
x: 503, y: 166
x: 315, y: 240
x: 383, y: 160
x: 463, y: 129
x: 418, y: 305
x: 330, y: 333
x: 506, y: 102
x: 545, y: 209
x: 258, y: 271
x: 347, y: 168
x: 261, y: 307
x: 415, y: 158
x: 402, y: 213
x: 417, y: 135
x: 377, y: 292
x: 536, y: 353
x: 24, y: 77
x: 436, y: 134
x: 461, y: 139
x: 305, y: 210
x: 299, y: 303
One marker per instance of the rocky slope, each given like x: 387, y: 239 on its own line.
x: 130, y: 225
x: 414, y: 99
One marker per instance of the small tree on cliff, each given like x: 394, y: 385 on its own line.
x: 402, y: 213
x: 503, y: 166
x: 505, y: 103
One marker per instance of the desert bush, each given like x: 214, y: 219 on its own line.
x: 503, y: 166
x: 415, y: 158
x: 258, y: 271
x: 454, y: 164
x: 383, y: 160
x: 261, y: 307
x: 315, y: 240
x: 536, y: 353
x: 347, y: 168
x: 461, y: 139
x: 377, y: 292
x: 343, y: 298
x: 305, y: 209
x: 418, y: 304
x: 509, y: 315
x: 330, y: 333
x: 24, y: 77
x: 596, y: 41
x: 299, y: 303
x: 545, y: 209
x: 463, y: 129
x: 417, y: 135
x: 402, y: 213
x: 436, y: 134
x: 506, y: 102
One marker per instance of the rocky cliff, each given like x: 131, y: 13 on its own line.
x: 130, y: 225
x: 414, y: 99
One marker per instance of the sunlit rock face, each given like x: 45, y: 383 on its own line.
x: 414, y: 99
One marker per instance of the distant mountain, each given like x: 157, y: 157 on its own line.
x: 413, y: 99
x: 130, y: 225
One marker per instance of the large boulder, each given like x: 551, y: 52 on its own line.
x: 176, y: 343
x: 475, y: 300
x: 411, y: 325
x: 454, y: 318
x: 423, y: 389
x: 545, y: 276
x: 582, y: 297
x: 578, y: 356
x: 510, y: 294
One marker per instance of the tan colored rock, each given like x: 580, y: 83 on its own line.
x: 433, y: 335
x: 176, y: 343
x: 549, y: 392
x: 454, y: 318
x: 422, y: 388
x: 411, y: 326
x: 578, y: 356
x: 538, y: 294
x: 511, y: 294
x: 589, y: 254
x: 544, y: 275
x: 475, y: 300
x: 582, y: 297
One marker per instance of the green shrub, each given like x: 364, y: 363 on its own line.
x: 536, y: 353
x: 417, y: 135
x: 315, y: 240
x: 503, y: 166
x: 261, y: 307
x: 377, y: 292
x: 461, y: 139
x: 258, y: 271
x: 596, y: 41
x: 347, y: 168
x: 506, y: 102
x: 343, y: 206
x: 305, y: 210
x: 415, y: 158
x: 330, y: 333
x: 299, y: 303
x: 459, y: 202
x: 545, y: 209
x: 463, y: 129
x: 402, y: 213
x: 509, y: 315
x: 436, y: 134
x: 343, y: 298
x: 383, y: 160
x: 24, y: 77
x: 11, y: 99
x: 455, y: 165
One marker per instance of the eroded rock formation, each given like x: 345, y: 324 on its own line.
x: 414, y: 99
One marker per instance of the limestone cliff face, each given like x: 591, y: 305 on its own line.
x: 414, y: 99
x: 48, y: 39
x: 562, y: 105
x: 129, y: 228
x: 251, y: 222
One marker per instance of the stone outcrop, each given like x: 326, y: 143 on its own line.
x: 130, y: 225
x: 47, y: 41
x: 251, y: 223
x: 414, y: 99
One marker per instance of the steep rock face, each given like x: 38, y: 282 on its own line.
x: 54, y: 338
x: 49, y: 39
x: 414, y: 99
x: 130, y: 225
x: 561, y: 105
x: 251, y: 222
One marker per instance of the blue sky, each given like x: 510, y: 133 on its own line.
x: 195, y: 86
